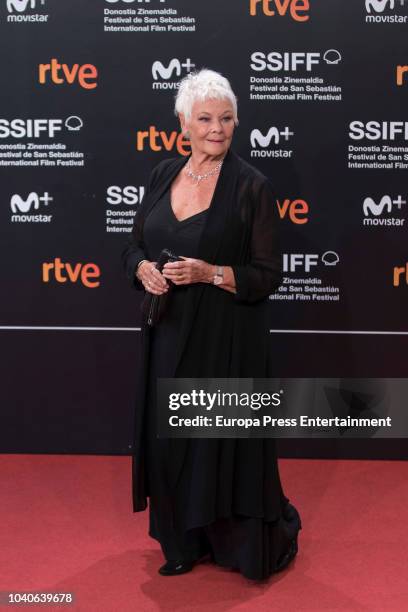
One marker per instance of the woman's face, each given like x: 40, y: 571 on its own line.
x: 211, y: 126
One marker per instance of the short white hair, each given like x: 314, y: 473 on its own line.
x: 204, y: 85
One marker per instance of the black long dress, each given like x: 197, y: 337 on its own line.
x: 252, y: 545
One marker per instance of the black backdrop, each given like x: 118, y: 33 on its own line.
x: 322, y: 109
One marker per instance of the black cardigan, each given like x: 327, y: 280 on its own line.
x: 223, y: 335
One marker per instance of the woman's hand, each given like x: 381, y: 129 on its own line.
x: 153, y: 281
x: 188, y: 271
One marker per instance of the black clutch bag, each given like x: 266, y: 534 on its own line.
x: 154, y: 306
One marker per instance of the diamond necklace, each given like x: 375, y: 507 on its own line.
x: 200, y: 177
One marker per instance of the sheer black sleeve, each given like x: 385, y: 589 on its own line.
x: 262, y: 275
x: 134, y: 252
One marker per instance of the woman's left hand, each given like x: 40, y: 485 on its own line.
x: 188, y: 271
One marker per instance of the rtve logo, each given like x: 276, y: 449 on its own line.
x: 63, y: 272
x: 295, y: 8
x: 18, y: 204
x: 59, y: 74
x: 401, y: 70
x: 156, y: 141
x: 129, y: 195
x: 305, y: 261
x: 398, y: 272
x: 376, y: 130
x: 296, y: 210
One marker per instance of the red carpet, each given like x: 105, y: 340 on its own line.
x: 66, y: 525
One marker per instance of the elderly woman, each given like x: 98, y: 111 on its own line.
x: 217, y: 497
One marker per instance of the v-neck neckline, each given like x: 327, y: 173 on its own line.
x: 186, y: 218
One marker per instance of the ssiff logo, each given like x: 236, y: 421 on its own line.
x: 289, y: 61
x: 36, y: 128
x: 297, y: 9
x: 86, y: 75
x: 161, y: 72
x: 260, y: 142
x: 376, y: 130
x: 306, y: 261
x: 123, y: 202
x: 129, y: 195
x: 159, y: 140
x: 63, y: 272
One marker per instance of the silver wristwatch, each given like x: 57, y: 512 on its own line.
x: 219, y: 276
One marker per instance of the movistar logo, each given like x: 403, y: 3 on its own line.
x: 159, y: 70
x: 379, y: 6
x: 258, y: 139
x: 370, y: 206
x: 18, y: 204
x: 21, y: 5
x: 386, y: 203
